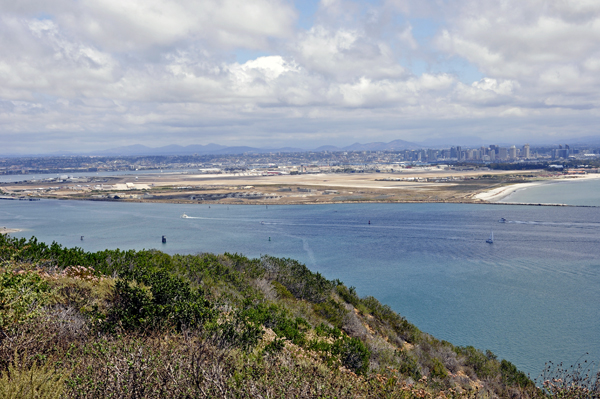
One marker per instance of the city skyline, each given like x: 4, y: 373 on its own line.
x: 82, y: 76
x: 454, y: 155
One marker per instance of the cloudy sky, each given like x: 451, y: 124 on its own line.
x: 81, y: 75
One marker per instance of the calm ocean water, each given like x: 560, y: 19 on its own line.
x: 532, y: 296
x: 574, y: 192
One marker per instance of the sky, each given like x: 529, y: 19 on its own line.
x: 85, y: 75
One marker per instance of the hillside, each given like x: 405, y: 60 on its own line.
x: 144, y: 324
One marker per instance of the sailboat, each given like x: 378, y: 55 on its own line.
x: 490, y: 240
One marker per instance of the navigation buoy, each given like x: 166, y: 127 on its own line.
x: 269, y: 238
x: 81, y: 238
x: 369, y: 222
x: 164, y: 239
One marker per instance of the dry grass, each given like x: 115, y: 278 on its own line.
x: 22, y: 381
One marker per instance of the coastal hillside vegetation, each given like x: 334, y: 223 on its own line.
x: 145, y: 324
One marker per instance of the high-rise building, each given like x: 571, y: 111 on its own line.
x: 526, y: 153
x: 512, y: 152
x: 502, y: 153
x: 560, y: 152
x: 432, y: 155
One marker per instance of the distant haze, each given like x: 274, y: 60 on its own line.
x: 86, y: 76
x: 216, y: 149
x: 219, y: 149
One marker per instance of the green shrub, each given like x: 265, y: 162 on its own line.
x: 384, y: 313
x: 331, y: 311
x: 282, y: 292
x: 235, y: 332
x: 353, y: 353
x: 275, y: 346
x: 513, y: 377
x: 157, y: 299
x: 408, y: 365
x: 323, y: 330
x: 484, y: 366
x: 134, y: 307
x: 298, y: 279
x: 437, y: 369
x: 22, y: 296
x: 277, y: 319
x: 348, y: 294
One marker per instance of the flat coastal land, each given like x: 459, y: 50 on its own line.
x: 426, y: 184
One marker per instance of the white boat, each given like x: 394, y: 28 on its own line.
x: 502, y: 220
x: 490, y: 240
x: 184, y: 216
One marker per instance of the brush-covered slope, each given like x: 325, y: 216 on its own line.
x: 144, y: 324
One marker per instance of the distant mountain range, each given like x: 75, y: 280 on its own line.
x: 376, y: 146
x: 216, y: 149
x: 396, y: 145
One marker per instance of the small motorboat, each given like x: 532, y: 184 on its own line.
x: 502, y: 220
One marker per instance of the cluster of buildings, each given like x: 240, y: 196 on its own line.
x: 494, y: 153
x: 297, y: 162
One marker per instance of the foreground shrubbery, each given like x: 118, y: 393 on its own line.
x: 144, y: 324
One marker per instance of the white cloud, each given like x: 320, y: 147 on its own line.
x: 38, y: 59
x: 346, y: 55
x: 135, y: 67
x: 134, y: 25
x: 267, y: 68
x: 506, y: 87
x: 535, y: 42
x: 406, y: 37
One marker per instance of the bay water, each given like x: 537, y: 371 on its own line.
x: 530, y: 297
x: 572, y: 192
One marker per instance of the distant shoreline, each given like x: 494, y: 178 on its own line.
x: 496, y: 195
x: 427, y: 186
x: 464, y: 202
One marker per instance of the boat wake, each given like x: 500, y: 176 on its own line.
x: 184, y: 216
x: 586, y: 225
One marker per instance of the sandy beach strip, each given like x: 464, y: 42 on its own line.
x: 497, y: 194
x: 4, y: 230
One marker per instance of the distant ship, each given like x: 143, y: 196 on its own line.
x: 490, y: 240
x: 184, y: 216
x: 502, y: 220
